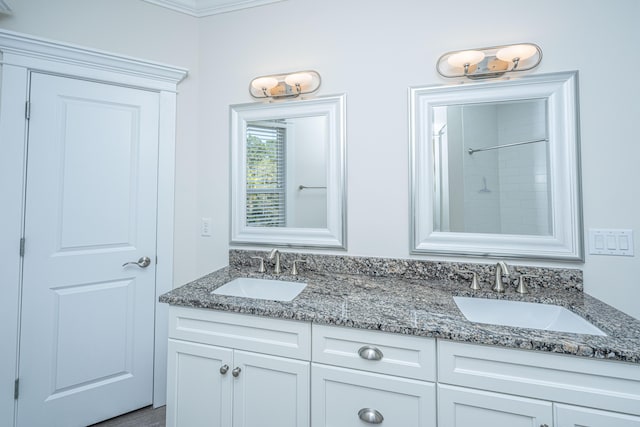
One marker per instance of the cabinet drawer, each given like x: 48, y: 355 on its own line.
x: 573, y: 416
x: 338, y: 395
x: 401, y: 355
x: 601, y: 384
x: 286, y: 338
x: 460, y: 407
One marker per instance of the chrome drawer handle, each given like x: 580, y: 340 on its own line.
x: 236, y: 372
x: 370, y: 416
x: 370, y: 353
x: 224, y: 369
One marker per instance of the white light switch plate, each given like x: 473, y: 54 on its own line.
x: 205, y: 227
x: 611, y: 242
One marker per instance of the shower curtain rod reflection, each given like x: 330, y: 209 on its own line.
x: 495, y: 147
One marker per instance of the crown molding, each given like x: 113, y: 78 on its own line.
x: 37, y: 53
x: 201, y: 8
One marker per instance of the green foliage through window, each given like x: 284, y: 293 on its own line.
x: 266, y: 175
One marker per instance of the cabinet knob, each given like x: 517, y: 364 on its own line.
x: 224, y: 369
x: 370, y: 353
x: 544, y: 425
x: 236, y: 372
x: 370, y: 416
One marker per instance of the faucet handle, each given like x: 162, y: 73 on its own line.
x: 474, y: 281
x: 261, y: 268
x: 294, y: 269
x: 522, y: 287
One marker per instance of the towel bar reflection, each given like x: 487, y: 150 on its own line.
x: 306, y: 187
x: 495, y: 147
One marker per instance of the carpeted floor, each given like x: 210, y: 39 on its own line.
x: 145, y: 417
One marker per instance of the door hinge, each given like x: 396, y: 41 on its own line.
x: 22, y: 247
x: 16, y: 388
x: 27, y: 110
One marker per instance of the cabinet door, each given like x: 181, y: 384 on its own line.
x: 574, y: 416
x: 198, y: 394
x: 340, y: 395
x: 462, y: 407
x: 270, y: 391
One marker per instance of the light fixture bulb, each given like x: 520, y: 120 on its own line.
x: 298, y: 80
x: 282, y: 86
x: 516, y: 53
x: 465, y: 58
x: 264, y: 83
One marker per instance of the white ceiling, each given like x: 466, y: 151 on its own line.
x: 201, y: 8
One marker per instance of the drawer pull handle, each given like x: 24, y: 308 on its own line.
x: 370, y: 353
x: 236, y: 372
x: 370, y: 416
x: 224, y: 369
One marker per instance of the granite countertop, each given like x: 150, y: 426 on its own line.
x: 422, y: 308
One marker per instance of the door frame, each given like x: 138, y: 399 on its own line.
x: 20, y: 55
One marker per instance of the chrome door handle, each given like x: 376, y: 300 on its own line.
x: 370, y: 353
x: 236, y: 372
x: 143, y: 262
x: 370, y: 416
x: 224, y: 369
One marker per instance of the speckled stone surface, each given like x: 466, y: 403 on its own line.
x: 408, y: 303
x: 558, y: 278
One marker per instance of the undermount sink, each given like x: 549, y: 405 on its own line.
x: 524, y: 315
x: 276, y: 290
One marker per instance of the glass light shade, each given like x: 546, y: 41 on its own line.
x: 520, y: 51
x: 489, y: 62
x: 302, y: 79
x: 264, y: 83
x: 465, y: 57
x: 290, y: 85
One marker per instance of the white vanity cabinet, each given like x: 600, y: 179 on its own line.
x: 467, y: 407
x: 198, y: 395
x: 483, y: 385
x: 574, y: 416
x: 362, y: 377
x: 234, y: 370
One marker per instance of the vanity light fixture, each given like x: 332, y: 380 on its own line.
x: 290, y: 85
x: 489, y: 62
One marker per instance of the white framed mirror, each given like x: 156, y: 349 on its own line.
x: 495, y: 168
x: 288, y: 173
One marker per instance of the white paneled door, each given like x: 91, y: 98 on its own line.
x: 87, y: 321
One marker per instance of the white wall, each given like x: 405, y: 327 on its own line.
x: 142, y: 30
x: 373, y: 51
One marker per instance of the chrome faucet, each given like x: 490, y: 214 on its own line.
x: 275, y: 253
x: 501, y: 270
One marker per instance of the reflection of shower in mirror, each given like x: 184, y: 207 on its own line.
x: 502, y: 177
x: 484, y: 188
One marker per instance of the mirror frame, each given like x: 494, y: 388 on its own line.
x: 334, y: 235
x: 566, y: 241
